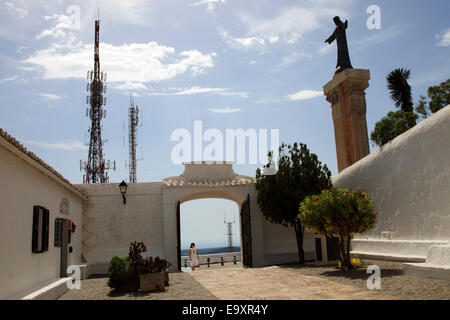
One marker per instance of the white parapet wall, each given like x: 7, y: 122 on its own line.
x: 408, y: 180
x: 437, y: 265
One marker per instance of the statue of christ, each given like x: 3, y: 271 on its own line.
x: 343, y: 58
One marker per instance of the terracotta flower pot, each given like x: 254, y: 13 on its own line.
x: 152, y: 281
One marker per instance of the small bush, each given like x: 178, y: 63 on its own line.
x: 118, y: 272
x: 356, y: 263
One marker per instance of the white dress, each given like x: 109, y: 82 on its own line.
x: 194, y: 260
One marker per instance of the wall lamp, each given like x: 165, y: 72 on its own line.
x: 123, y: 190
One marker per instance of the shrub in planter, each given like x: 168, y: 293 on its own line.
x: 338, y: 214
x: 121, y: 277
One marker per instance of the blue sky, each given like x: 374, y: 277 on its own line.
x: 229, y: 63
x: 232, y: 64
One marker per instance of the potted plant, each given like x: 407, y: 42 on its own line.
x: 152, y: 273
x: 151, y: 277
x: 121, y: 277
x: 163, y: 265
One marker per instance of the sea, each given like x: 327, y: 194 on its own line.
x: 185, y: 252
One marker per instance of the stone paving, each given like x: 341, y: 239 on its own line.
x: 182, y: 287
x: 286, y: 282
x: 393, y: 281
x: 279, y: 283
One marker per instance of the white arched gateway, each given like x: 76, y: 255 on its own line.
x: 202, y: 180
x: 151, y: 214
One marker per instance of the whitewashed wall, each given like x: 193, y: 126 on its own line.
x: 23, y: 186
x: 110, y: 226
x: 150, y: 216
x: 409, y: 182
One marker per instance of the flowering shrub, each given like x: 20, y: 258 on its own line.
x: 338, y: 214
x: 142, y: 265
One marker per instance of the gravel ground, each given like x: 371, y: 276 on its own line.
x: 182, y: 287
x: 393, y: 281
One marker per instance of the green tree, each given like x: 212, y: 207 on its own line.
x: 299, y: 174
x: 338, y: 214
x: 399, y: 89
x: 439, y: 97
x: 392, y: 125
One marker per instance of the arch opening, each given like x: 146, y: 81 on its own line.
x: 211, y: 221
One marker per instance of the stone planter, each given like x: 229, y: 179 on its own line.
x: 166, y: 278
x: 152, y: 281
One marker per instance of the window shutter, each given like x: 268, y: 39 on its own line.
x: 45, y: 230
x: 35, y: 234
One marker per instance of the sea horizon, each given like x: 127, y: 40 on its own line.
x: 212, y: 250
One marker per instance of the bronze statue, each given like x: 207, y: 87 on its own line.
x: 343, y: 58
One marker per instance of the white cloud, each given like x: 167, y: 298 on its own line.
x: 241, y: 43
x: 17, y: 7
x: 9, y: 79
x: 200, y: 90
x: 68, y: 146
x: 49, y: 96
x: 63, y: 23
x: 130, y: 86
x: 288, y: 25
x: 379, y: 36
x: 133, y: 62
x: 293, y: 57
x: 443, y: 38
x: 225, y: 110
x: 304, y: 95
x: 210, y: 4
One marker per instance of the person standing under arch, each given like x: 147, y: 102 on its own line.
x: 193, y: 256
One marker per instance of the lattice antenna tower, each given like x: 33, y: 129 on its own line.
x: 96, y: 167
x: 133, y: 123
x: 229, y: 232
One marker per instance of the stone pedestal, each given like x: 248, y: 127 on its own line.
x: 346, y: 94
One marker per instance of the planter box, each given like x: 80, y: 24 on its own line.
x: 132, y: 284
x: 152, y: 281
x: 166, y: 278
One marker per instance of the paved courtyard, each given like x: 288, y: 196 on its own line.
x: 287, y: 282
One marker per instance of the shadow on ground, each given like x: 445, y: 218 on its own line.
x: 332, y: 271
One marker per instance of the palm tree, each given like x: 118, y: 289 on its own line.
x: 399, y: 89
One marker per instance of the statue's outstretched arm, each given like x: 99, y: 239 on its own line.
x: 331, y: 38
x: 346, y: 24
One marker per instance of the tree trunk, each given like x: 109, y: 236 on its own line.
x: 345, y: 259
x: 299, y: 235
x: 349, y: 239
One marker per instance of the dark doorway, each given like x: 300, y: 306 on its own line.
x: 178, y: 237
x: 64, y: 247
x: 246, y: 232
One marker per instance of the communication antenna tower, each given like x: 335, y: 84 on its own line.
x: 96, y: 167
x: 133, y: 123
x: 229, y: 232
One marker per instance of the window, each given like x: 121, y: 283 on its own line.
x: 58, y: 231
x: 40, y: 229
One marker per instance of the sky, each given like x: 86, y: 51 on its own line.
x: 202, y: 222
x: 253, y: 64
